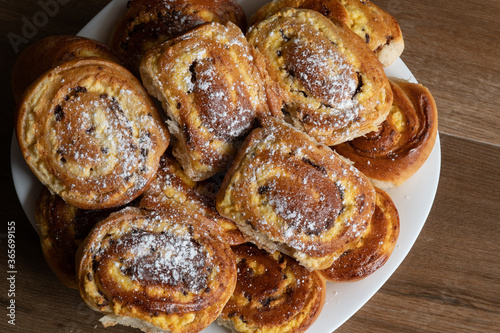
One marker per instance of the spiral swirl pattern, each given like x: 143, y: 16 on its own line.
x: 158, y: 267
x: 331, y: 85
x: 273, y: 293
x: 287, y: 192
x: 403, y: 142
x: 90, y: 133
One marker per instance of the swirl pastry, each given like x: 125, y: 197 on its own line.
x: 148, y: 23
x: 211, y: 90
x: 171, y: 184
x: 50, y: 52
x: 404, y: 141
x: 90, y: 133
x: 377, y: 28
x: 374, y: 247
x: 62, y: 228
x: 273, y: 294
x: 155, y: 270
x: 332, y: 86
x: 287, y: 192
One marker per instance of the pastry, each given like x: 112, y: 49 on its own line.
x: 90, y: 133
x: 404, y: 141
x: 286, y: 192
x: 374, y: 247
x: 148, y: 23
x: 62, y: 228
x: 155, y: 270
x: 273, y: 294
x: 329, y: 8
x: 379, y: 30
x: 49, y: 52
x: 331, y: 85
x: 171, y: 184
x: 211, y: 91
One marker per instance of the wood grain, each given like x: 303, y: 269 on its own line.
x: 450, y: 281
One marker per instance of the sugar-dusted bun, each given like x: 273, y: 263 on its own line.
x: 159, y: 271
x: 62, y: 228
x: 171, y: 184
x: 148, y: 23
x: 49, y: 52
x: 212, y: 92
x: 373, y: 249
x: 403, y: 142
x: 273, y: 294
x: 91, y: 133
x: 378, y: 29
x: 287, y: 192
x: 331, y: 85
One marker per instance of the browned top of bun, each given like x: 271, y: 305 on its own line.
x: 331, y: 85
x: 51, y: 51
x: 159, y: 267
x: 148, y: 23
x: 403, y: 142
x: 273, y: 293
x: 90, y: 132
x: 373, y: 249
x: 285, y: 191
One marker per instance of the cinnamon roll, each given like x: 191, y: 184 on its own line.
x: 62, y: 228
x: 50, y: 52
x: 373, y: 249
x: 148, y: 23
x: 287, y: 192
x: 379, y: 30
x: 171, y: 184
x: 211, y: 90
x: 155, y: 270
x: 90, y: 133
x: 273, y: 294
x: 404, y: 141
x: 332, y: 86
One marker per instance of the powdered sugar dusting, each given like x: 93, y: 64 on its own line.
x: 175, y: 260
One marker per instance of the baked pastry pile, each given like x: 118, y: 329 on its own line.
x: 257, y: 176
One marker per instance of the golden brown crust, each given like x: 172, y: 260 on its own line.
x: 159, y: 267
x: 378, y: 29
x: 273, y: 293
x: 329, y: 8
x: 404, y: 141
x: 212, y: 92
x: 89, y: 131
x: 373, y: 249
x: 171, y: 184
x: 62, y: 228
x: 50, y: 52
x: 331, y: 85
x: 285, y: 191
x: 148, y: 23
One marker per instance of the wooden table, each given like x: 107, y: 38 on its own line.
x: 450, y: 281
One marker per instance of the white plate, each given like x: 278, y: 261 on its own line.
x: 413, y: 199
